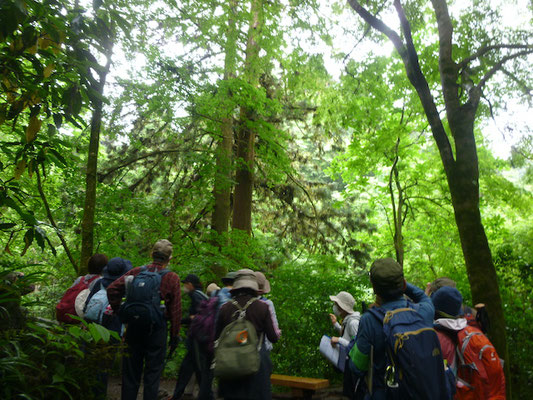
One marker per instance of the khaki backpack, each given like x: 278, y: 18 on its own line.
x: 237, y: 348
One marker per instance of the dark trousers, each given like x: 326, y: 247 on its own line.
x: 145, y: 349
x: 197, y: 361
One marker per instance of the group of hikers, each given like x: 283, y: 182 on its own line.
x: 415, y: 344
x: 409, y: 344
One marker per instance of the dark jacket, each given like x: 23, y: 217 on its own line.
x: 197, y: 297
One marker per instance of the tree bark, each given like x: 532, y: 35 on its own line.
x: 242, y: 202
x: 223, y: 182
x: 91, y: 178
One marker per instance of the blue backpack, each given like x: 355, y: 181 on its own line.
x: 415, y: 367
x: 96, y: 306
x: 142, y: 307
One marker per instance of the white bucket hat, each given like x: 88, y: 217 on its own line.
x: 345, y: 301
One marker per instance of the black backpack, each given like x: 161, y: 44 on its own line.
x: 143, y: 307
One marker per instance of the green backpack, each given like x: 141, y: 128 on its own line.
x: 237, y: 348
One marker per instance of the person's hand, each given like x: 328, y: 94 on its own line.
x: 334, y: 341
x: 428, y: 288
x: 333, y: 318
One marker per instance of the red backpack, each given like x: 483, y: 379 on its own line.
x: 66, y: 305
x: 479, y: 369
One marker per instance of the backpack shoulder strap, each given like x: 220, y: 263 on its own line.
x: 241, y: 311
x: 205, y: 297
x: 378, y: 313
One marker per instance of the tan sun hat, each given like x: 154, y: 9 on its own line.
x: 211, y: 288
x: 245, y: 279
x: 345, y: 301
x: 262, y: 282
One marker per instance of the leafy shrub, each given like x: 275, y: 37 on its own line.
x: 300, y: 293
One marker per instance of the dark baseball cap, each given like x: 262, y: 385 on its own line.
x: 192, y: 278
x: 386, y: 276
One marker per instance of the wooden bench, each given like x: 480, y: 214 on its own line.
x: 302, y: 388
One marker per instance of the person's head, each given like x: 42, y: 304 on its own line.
x: 438, y: 283
x: 97, y: 263
x: 245, y: 283
x: 262, y: 283
x: 116, y: 267
x: 343, y: 304
x: 162, y: 251
x: 228, y: 279
x: 448, y: 302
x: 192, y: 283
x: 212, y: 287
x: 387, y: 279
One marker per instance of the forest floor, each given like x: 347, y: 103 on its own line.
x: 166, y: 388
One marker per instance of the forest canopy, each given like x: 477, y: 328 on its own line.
x: 303, y: 139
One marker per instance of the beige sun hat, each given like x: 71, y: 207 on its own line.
x: 245, y: 279
x: 211, y: 288
x: 262, y: 282
x: 345, y: 301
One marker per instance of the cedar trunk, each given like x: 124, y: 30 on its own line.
x: 223, y: 182
x: 242, y: 202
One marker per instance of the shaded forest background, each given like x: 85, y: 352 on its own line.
x: 287, y: 137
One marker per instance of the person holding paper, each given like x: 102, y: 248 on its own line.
x: 343, y: 304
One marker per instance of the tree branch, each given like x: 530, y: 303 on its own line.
x: 103, y: 176
x: 447, y: 67
x: 484, y: 50
x: 53, y: 222
x: 379, y: 25
x: 526, y: 89
x: 475, y: 93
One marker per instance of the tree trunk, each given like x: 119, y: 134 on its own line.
x: 464, y: 189
x: 242, y: 202
x: 223, y: 184
x: 87, y: 222
x: 462, y: 172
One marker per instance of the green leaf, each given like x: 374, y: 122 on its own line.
x: 59, y: 157
x: 95, y: 333
x: 104, y: 333
x: 28, y: 239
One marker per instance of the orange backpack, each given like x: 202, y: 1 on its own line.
x: 479, y: 369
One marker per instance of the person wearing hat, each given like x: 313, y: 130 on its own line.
x: 264, y: 288
x: 343, y: 304
x: 224, y: 293
x: 115, y: 268
x: 196, y: 361
x: 449, y: 321
x: 476, y: 316
x: 389, y: 285
x: 257, y: 386
x: 146, y: 350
